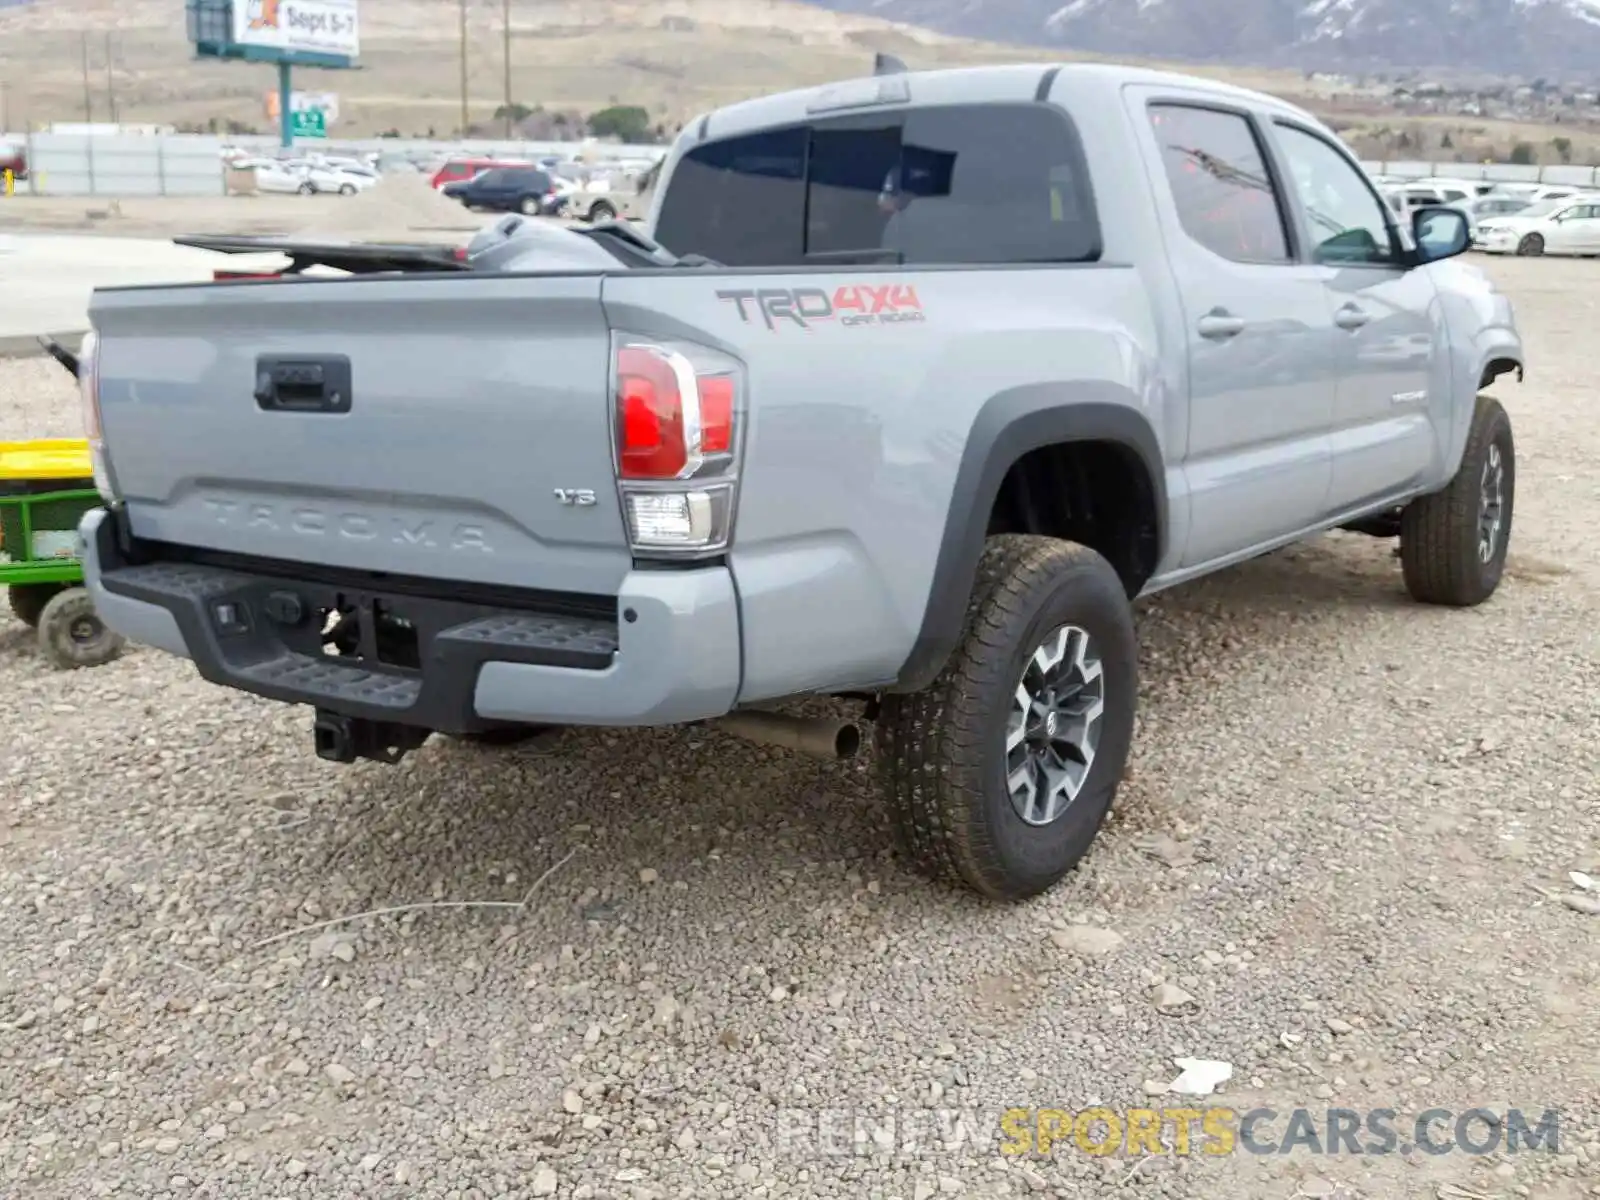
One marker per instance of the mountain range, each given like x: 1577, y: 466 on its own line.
x: 1552, y: 39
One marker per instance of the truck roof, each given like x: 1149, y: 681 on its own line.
x: 957, y: 85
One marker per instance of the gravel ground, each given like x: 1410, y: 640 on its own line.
x: 1342, y: 811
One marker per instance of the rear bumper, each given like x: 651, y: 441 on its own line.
x: 667, y: 651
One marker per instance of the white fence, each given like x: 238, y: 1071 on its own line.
x: 1566, y: 176
x: 69, y: 164
x: 66, y: 164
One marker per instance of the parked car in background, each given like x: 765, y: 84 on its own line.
x: 1496, y: 205
x: 14, y: 158
x: 1570, y: 225
x: 460, y: 170
x: 279, y: 178
x: 527, y: 190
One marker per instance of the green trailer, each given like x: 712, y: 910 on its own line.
x: 45, y: 488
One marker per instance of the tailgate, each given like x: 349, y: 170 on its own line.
x: 231, y: 425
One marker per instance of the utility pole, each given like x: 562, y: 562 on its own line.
x: 88, y: 95
x: 510, y: 120
x: 111, y: 82
x: 464, y: 118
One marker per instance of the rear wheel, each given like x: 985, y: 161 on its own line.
x: 307, y: 189
x: 347, y: 189
x: 71, y: 633
x: 602, y: 211
x: 1531, y: 246
x: 530, y: 206
x: 1453, y: 543
x: 28, y: 600
x: 1000, y: 774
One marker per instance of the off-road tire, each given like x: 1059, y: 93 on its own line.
x: 72, y: 635
x: 28, y: 600
x: 1531, y: 246
x: 941, y: 751
x: 1440, y: 533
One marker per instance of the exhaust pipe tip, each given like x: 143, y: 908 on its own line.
x: 833, y: 740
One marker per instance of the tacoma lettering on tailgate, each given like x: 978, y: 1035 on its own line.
x: 852, y: 304
x: 351, y: 526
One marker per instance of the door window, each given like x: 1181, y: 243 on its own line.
x: 1348, y: 223
x: 990, y: 183
x: 1220, y: 183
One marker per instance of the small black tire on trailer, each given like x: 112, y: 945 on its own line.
x: 28, y: 600
x: 1453, y: 542
x: 1000, y: 773
x: 71, y: 633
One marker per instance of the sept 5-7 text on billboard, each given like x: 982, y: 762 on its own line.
x: 307, y: 26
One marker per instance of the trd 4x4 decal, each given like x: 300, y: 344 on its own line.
x: 852, y: 304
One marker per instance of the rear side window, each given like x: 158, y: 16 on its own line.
x: 1220, y: 182
x: 996, y: 183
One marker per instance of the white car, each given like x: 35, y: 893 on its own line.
x: 1567, y: 226
x: 281, y: 178
x: 343, y: 181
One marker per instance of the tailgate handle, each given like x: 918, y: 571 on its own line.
x: 303, y: 384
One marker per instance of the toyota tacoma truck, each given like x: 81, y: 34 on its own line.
x: 903, y: 391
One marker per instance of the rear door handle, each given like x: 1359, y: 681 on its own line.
x: 1350, y: 317
x: 1219, y: 325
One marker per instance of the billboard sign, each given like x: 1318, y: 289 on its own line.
x: 298, y: 26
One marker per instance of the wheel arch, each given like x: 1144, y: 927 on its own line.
x: 1087, y: 416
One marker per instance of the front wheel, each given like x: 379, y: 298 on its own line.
x: 1531, y: 246
x: 347, y: 189
x: 602, y: 211
x: 1000, y: 774
x: 1453, y: 542
x: 71, y: 633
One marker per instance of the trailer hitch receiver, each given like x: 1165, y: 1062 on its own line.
x: 343, y: 739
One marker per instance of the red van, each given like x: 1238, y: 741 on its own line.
x: 458, y: 169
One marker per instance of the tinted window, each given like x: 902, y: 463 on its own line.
x: 1220, y: 183
x: 1348, y: 225
x: 491, y: 178
x: 526, y: 178
x: 967, y: 184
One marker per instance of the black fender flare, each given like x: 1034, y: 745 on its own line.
x: 1009, y: 425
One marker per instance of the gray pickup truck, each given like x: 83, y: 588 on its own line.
x: 903, y: 391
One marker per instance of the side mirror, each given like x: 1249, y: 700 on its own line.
x: 1440, y: 233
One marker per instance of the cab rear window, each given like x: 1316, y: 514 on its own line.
x: 988, y: 183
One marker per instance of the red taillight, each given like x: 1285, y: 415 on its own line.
x: 237, y: 276
x: 716, y: 413
x: 677, y: 418
x: 650, y: 402
x: 659, y: 435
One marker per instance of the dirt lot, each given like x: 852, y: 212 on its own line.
x: 1347, y: 837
